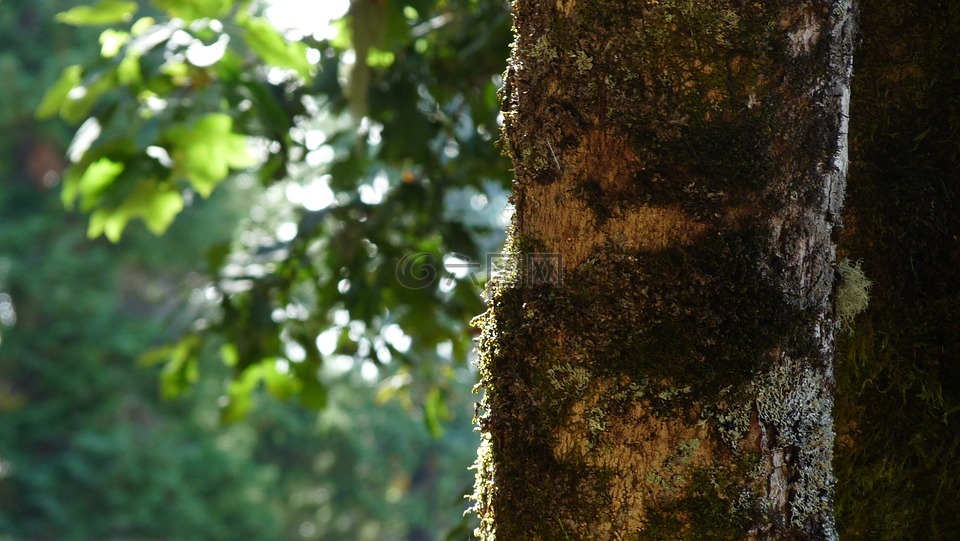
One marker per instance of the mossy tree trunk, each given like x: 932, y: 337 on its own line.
x: 898, y: 371
x: 657, y: 362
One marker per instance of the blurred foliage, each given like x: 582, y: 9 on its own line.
x: 87, y: 448
x: 365, y: 123
x: 87, y: 452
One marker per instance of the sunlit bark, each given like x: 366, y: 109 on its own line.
x: 657, y: 363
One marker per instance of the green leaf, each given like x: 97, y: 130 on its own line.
x: 142, y: 25
x: 229, y: 354
x: 111, y: 41
x: 105, y: 222
x: 157, y: 204
x: 240, y: 391
x: 434, y: 412
x: 76, y: 109
x: 180, y: 369
x: 380, y: 59
x: 274, y: 49
x: 128, y: 71
x: 102, y: 13
x: 205, y: 152
x: 56, y: 95
x: 179, y: 72
x: 195, y: 9
x: 343, y: 34
x: 280, y: 384
x: 97, y: 176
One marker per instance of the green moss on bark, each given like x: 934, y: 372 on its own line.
x: 714, y: 507
x: 718, y: 317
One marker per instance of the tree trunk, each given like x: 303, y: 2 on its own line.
x: 657, y: 356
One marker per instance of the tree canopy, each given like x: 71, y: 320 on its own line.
x: 388, y: 169
x: 90, y: 450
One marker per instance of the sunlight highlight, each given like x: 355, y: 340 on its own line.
x: 307, y: 18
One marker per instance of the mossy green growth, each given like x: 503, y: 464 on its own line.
x: 714, y: 507
x: 681, y: 329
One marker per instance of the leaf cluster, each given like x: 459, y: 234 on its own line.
x: 389, y: 158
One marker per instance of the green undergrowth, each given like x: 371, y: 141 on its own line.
x: 898, y: 375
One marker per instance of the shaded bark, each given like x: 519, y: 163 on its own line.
x: 657, y: 361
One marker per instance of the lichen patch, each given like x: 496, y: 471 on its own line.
x: 803, y: 29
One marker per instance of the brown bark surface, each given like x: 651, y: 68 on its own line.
x: 683, y: 165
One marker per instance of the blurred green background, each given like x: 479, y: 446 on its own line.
x: 88, y: 448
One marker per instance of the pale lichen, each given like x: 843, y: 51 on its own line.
x: 853, y: 293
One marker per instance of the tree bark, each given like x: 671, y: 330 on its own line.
x: 657, y: 358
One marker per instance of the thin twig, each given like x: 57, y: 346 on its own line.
x: 555, y: 160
